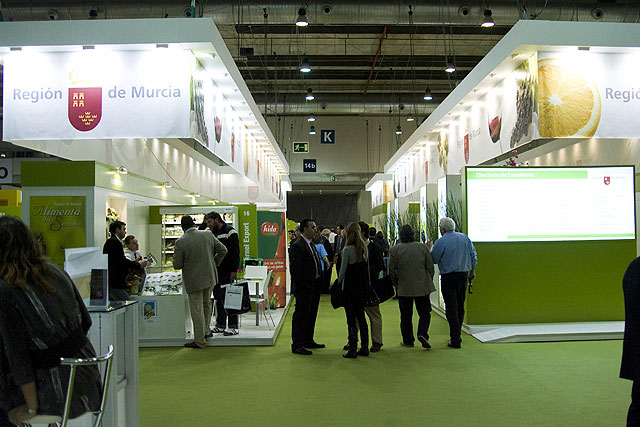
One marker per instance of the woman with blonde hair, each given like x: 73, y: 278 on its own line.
x: 42, y: 318
x: 354, y: 279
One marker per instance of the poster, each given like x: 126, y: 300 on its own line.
x: 59, y: 223
x: 272, y: 247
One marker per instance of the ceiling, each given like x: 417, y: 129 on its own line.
x: 367, y: 57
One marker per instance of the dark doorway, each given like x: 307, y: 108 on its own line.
x: 328, y: 210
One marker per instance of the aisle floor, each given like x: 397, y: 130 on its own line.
x: 515, y: 384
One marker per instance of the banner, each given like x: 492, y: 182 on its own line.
x: 96, y: 93
x: 585, y: 94
x: 272, y: 247
x: 59, y: 223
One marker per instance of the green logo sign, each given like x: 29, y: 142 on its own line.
x: 300, y: 147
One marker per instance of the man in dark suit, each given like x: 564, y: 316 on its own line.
x: 306, y: 279
x: 118, y: 264
x: 630, y: 368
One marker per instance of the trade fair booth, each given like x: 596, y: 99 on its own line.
x: 152, y: 113
x: 530, y: 156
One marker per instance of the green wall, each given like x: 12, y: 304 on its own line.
x: 546, y: 282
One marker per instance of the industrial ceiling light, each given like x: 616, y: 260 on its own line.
x: 398, y: 130
x: 411, y: 118
x: 311, y: 118
x: 166, y: 184
x: 310, y: 96
x: 305, y: 67
x: 450, y: 68
x: 302, y: 18
x: 122, y: 170
x: 427, y: 95
x: 312, y: 131
x: 487, y: 22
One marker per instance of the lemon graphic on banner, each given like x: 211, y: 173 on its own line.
x: 568, y: 100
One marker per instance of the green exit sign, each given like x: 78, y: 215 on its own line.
x: 333, y: 178
x: 300, y: 147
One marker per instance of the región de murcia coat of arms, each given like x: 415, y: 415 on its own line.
x: 85, y: 107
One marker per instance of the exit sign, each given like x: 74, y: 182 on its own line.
x: 300, y: 147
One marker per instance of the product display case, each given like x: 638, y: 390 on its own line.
x: 171, y: 230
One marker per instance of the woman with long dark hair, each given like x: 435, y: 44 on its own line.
x: 42, y: 318
x: 354, y: 279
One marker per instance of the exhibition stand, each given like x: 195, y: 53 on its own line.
x: 553, y: 240
x: 164, y: 316
x: 152, y: 113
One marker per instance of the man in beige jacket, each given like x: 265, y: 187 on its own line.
x: 198, y: 253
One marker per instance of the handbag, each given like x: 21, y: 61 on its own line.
x: 336, y: 295
x: 371, y: 296
x: 236, y: 298
x: 384, y: 288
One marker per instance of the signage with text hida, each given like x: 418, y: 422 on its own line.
x: 507, y: 204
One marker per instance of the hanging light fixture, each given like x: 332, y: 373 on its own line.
x: 312, y: 131
x: 450, y: 68
x: 411, y: 118
x: 310, y: 96
x: 304, y: 66
x: 398, y: 130
x: 487, y: 22
x: 427, y: 95
x: 301, y: 21
x: 311, y: 118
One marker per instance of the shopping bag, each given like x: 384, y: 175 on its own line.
x: 236, y: 298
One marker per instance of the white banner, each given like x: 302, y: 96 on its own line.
x: 96, y: 93
x: 586, y: 94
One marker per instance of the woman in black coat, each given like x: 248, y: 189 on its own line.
x: 42, y: 318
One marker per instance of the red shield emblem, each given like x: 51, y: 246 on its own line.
x: 607, y: 180
x: 85, y: 107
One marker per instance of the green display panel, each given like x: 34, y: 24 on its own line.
x: 548, y: 282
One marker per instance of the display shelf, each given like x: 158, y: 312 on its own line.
x: 171, y: 230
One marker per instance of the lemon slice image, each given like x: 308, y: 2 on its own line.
x: 568, y: 101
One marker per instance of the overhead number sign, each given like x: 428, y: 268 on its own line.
x: 309, y: 165
x: 300, y: 147
x: 327, y: 136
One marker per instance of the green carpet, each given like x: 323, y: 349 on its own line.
x: 529, y: 384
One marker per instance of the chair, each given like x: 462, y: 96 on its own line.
x: 264, y: 300
x: 74, y: 363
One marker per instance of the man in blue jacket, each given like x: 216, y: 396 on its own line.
x: 456, y: 258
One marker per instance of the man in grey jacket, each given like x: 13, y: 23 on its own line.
x: 198, y: 253
x: 411, y: 270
